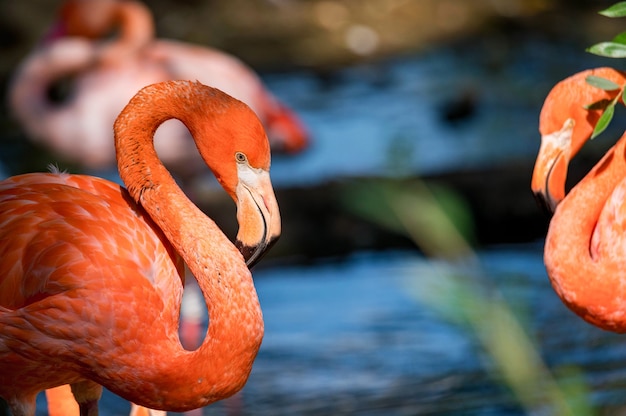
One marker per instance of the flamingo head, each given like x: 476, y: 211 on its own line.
x: 240, y: 160
x: 565, y: 124
x: 92, y: 19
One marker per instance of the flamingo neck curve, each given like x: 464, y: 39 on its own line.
x: 221, y: 365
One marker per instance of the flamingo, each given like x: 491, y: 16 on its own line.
x: 584, y: 251
x: 106, y: 73
x: 91, y: 273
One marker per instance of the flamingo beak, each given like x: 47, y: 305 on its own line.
x: 550, y: 173
x: 257, y: 213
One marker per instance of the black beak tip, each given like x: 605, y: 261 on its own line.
x: 253, y: 254
x: 546, y: 205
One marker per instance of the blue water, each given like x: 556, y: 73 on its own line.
x: 386, y: 118
x: 368, y: 337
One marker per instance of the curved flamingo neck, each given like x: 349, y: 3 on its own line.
x: 223, y: 362
x: 586, y: 284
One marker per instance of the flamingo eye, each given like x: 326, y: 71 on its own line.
x: 241, y: 158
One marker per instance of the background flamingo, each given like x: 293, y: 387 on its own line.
x: 585, y: 247
x: 106, y: 73
x: 97, y: 303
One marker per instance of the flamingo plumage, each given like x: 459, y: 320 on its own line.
x: 585, y: 249
x: 91, y: 273
x: 107, y: 72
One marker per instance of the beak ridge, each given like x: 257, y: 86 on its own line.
x: 257, y: 213
x: 550, y: 172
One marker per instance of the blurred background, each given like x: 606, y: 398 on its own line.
x: 409, y: 277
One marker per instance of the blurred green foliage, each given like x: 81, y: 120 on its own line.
x: 440, y: 224
x: 393, y: 205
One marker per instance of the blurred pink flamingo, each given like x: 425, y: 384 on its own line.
x: 107, y: 72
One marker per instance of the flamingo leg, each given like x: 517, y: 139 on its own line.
x: 61, y: 402
x: 87, y: 394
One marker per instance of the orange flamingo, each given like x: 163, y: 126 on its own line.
x: 106, y: 73
x: 91, y: 274
x: 584, y: 249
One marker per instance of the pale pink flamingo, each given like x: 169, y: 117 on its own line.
x: 107, y: 73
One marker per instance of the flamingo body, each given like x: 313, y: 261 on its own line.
x: 585, y: 252
x: 91, y: 273
x: 64, y: 256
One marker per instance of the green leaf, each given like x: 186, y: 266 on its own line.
x: 608, y: 49
x: 604, y: 120
x: 602, y: 83
x: 624, y: 95
x: 621, y: 38
x: 616, y: 10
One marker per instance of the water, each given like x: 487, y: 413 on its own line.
x: 387, y: 118
x: 354, y: 338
